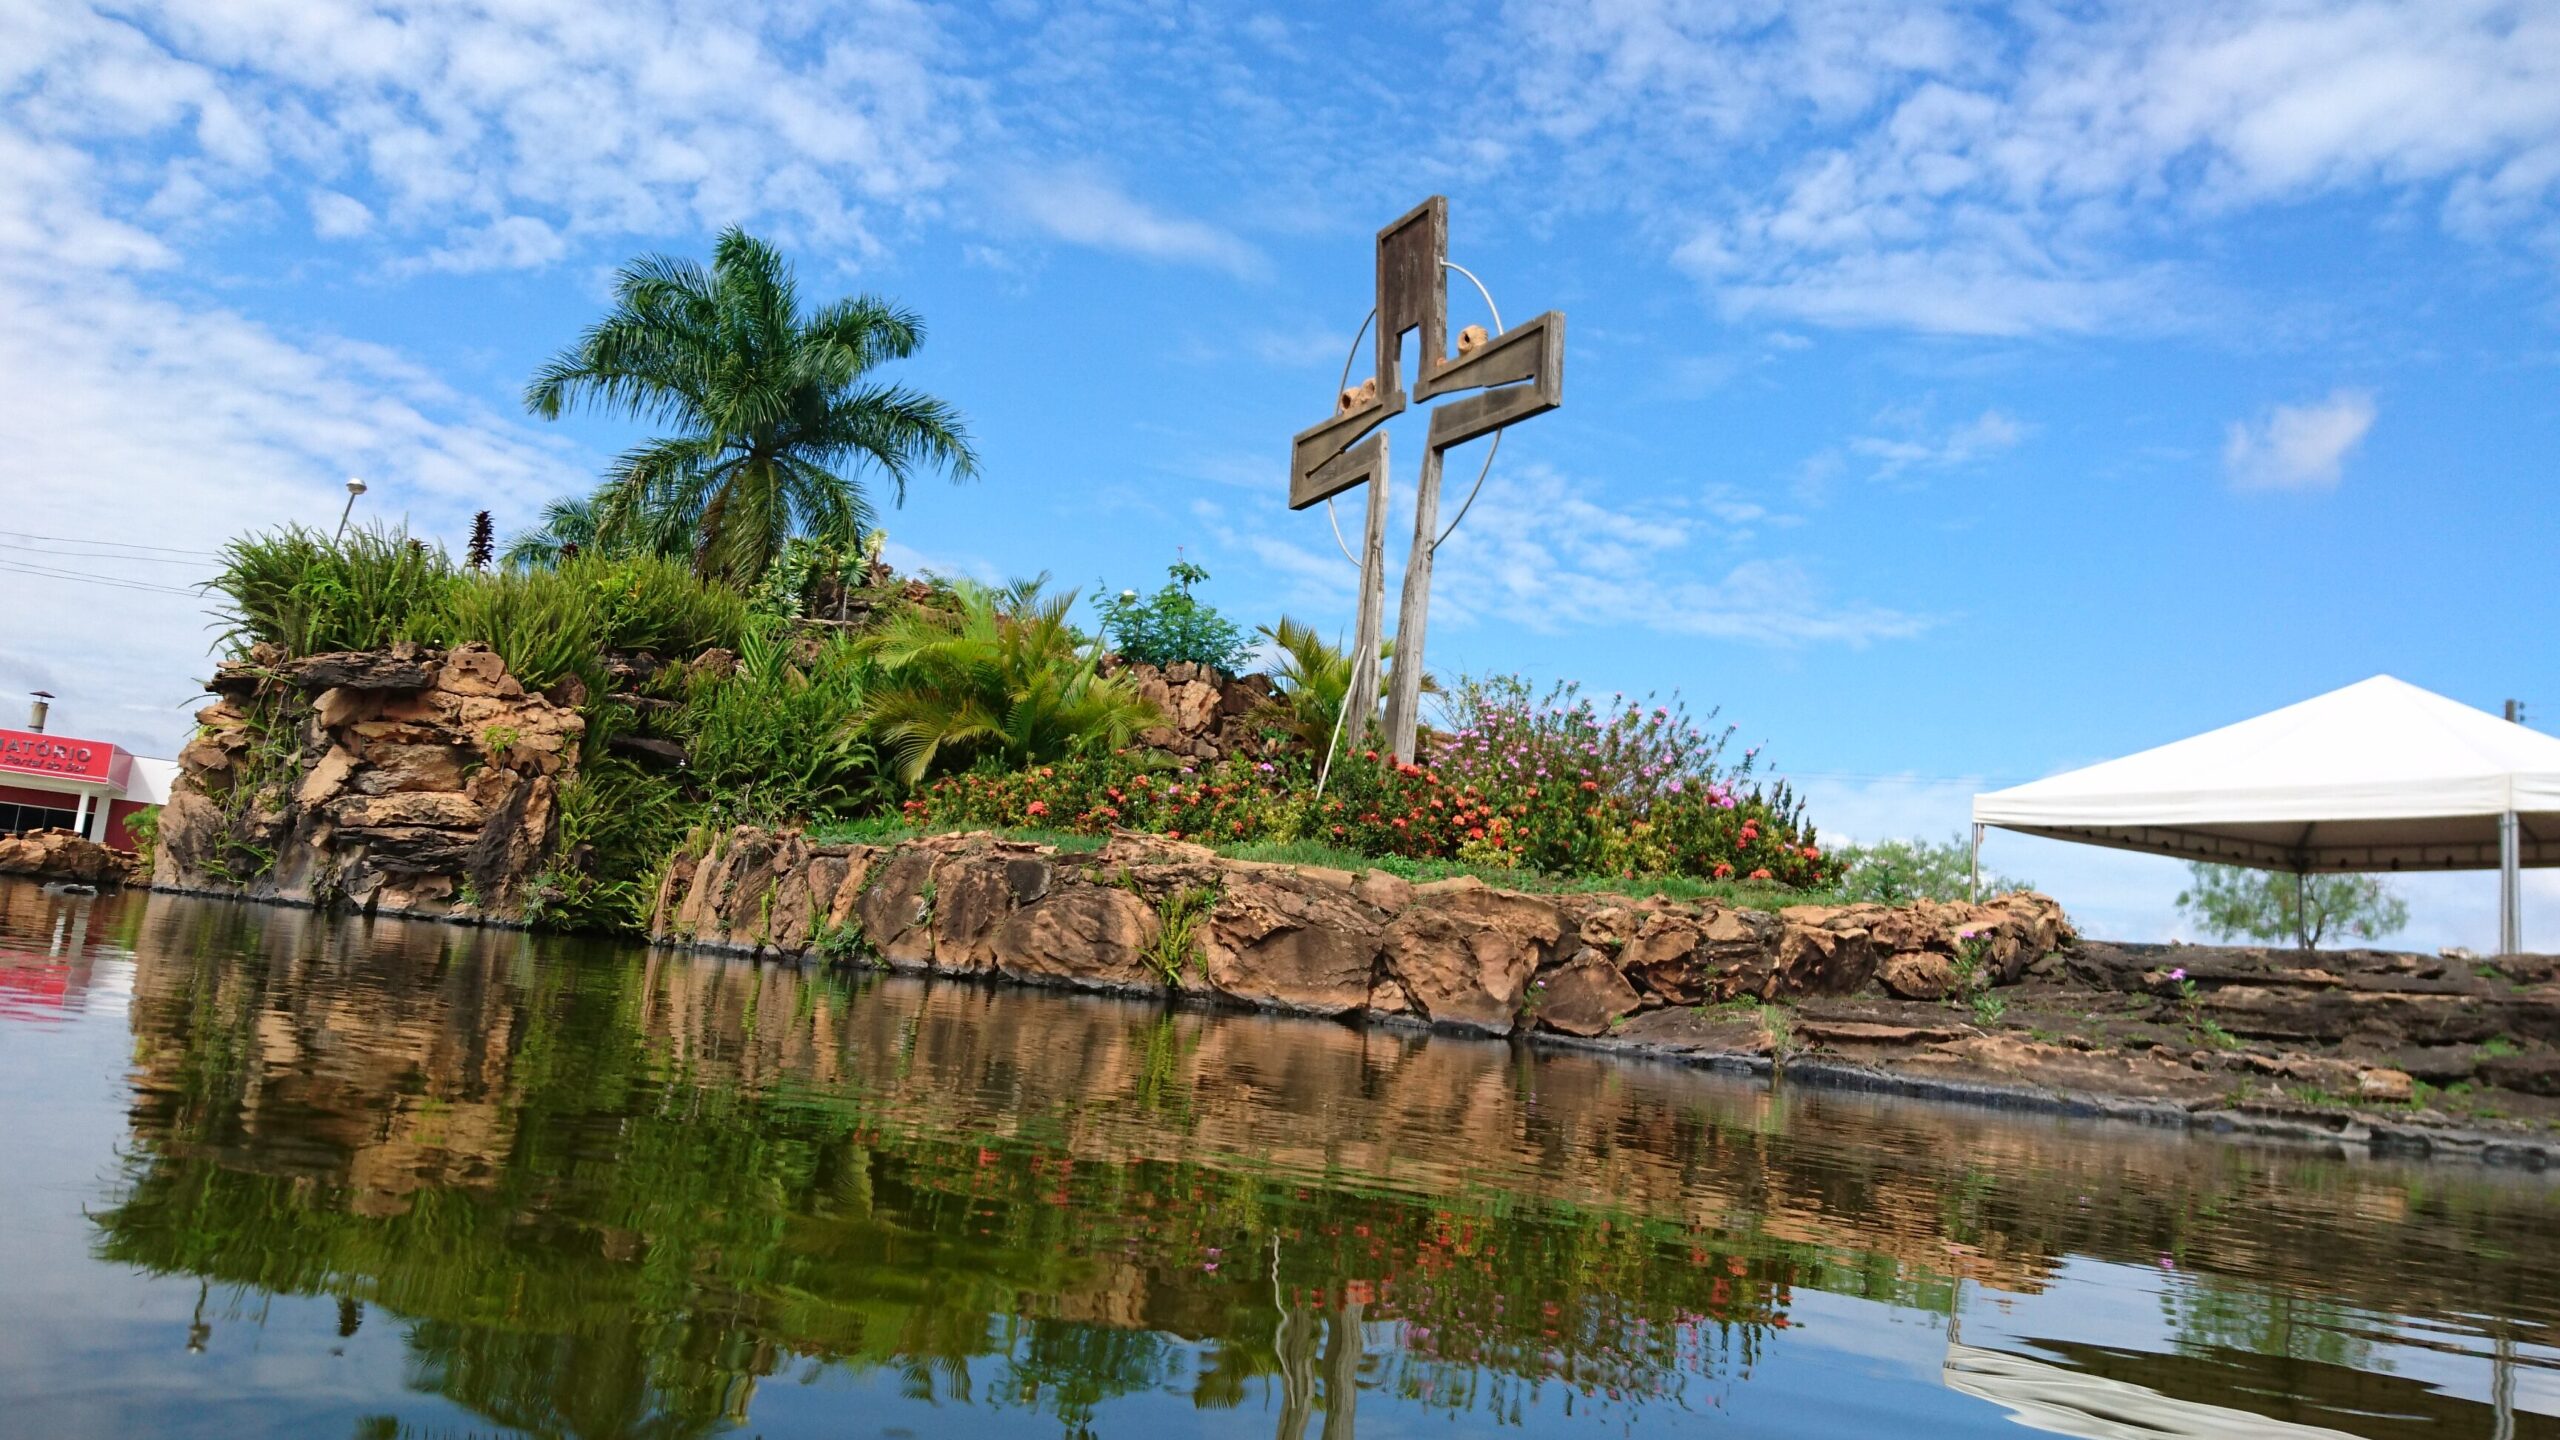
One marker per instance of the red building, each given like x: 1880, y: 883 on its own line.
x: 57, y: 782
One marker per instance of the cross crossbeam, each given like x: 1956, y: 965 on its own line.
x: 1520, y: 374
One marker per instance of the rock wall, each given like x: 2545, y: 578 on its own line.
x: 1146, y: 914
x: 64, y: 856
x: 410, y: 780
x: 1208, y: 714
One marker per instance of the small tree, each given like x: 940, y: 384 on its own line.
x: 484, y: 542
x: 1897, y: 872
x: 1171, y: 626
x: 2231, y: 903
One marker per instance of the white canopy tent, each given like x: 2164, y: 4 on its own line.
x: 2378, y: 776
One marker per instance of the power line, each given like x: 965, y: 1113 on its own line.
x: 121, y: 544
x: 98, y: 555
x: 78, y: 578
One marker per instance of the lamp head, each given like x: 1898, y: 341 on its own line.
x: 354, y: 486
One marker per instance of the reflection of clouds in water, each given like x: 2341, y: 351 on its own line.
x: 2165, y: 1320
x: 2067, y: 1402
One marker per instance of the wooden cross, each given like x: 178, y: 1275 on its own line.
x: 1521, y: 372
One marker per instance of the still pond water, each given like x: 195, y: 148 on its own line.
x: 270, y: 1175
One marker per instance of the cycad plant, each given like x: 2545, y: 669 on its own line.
x: 999, y: 678
x: 768, y: 407
x: 1314, y: 675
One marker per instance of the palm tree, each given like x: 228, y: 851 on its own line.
x: 999, y: 676
x: 768, y: 406
x: 597, y: 524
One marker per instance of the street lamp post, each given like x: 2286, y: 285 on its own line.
x: 355, y: 487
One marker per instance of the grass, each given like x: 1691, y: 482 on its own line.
x: 891, y: 830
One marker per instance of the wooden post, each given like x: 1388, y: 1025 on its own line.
x: 1360, y: 702
x: 1413, y: 616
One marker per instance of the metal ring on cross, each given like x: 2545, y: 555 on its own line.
x: 1491, y: 450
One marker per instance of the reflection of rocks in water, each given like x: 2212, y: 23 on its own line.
x: 601, y: 1187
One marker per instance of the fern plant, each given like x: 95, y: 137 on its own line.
x: 1001, y: 678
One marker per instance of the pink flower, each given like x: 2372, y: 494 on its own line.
x: 2178, y: 974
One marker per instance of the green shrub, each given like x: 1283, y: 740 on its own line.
x: 782, y: 738
x: 544, y: 626
x: 999, y: 679
x: 1172, y: 627
x: 1409, y: 812
x: 617, y: 824
x: 301, y: 590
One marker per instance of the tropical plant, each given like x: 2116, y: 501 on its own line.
x: 999, y: 678
x: 781, y: 738
x: 2231, y: 903
x: 598, y: 524
x: 1897, y: 872
x: 308, y: 592
x: 484, y: 543
x: 769, y: 405
x: 1172, y: 627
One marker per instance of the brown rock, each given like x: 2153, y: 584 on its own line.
x: 1081, y: 933
x: 2388, y: 1087
x: 1867, y: 1032
x: 472, y: 670
x: 1585, y: 997
x: 971, y: 896
x: 1918, y: 975
x: 62, y: 856
x: 390, y: 766
x: 1291, y: 940
x: 1465, y: 953
x: 897, y: 907
x: 1389, y: 893
x: 324, y: 780
x: 410, y: 807
x: 400, y: 669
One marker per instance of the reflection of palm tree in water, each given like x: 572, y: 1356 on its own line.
x: 1293, y: 1340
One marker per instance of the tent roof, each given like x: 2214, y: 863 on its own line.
x: 2378, y: 776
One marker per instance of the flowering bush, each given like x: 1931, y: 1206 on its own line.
x: 1560, y: 787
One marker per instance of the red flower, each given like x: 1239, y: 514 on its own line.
x: 1761, y: 875
x: 1337, y: 830
x: 1475, y: 832
x: 1590, y: 784
x: 1724, y: 872
x: 1037, y: 808
x: 1173, y: 834
x: 1811, y: 853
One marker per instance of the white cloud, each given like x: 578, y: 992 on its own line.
x: 2298, y: 447
x: 1969, y: 171
x: 1083, y: 209
x: 338, y: 217
x: 467, y: 127
x: 159, y: 425
x: 1987, y: 434
x: 1546, y: 553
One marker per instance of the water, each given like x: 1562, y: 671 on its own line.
x: 267, y: 1174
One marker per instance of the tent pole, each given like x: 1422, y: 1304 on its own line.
x: 1973, y: 872
x: 2510, y: 887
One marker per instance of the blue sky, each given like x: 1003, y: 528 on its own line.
x: 1955, y: 394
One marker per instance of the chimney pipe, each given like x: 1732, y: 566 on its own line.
x: 36, y: 711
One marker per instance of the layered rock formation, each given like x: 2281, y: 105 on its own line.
x: 408, y: 780
x: 1208, y: 714
x: 1147, y: 914
x: 65, y: 857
